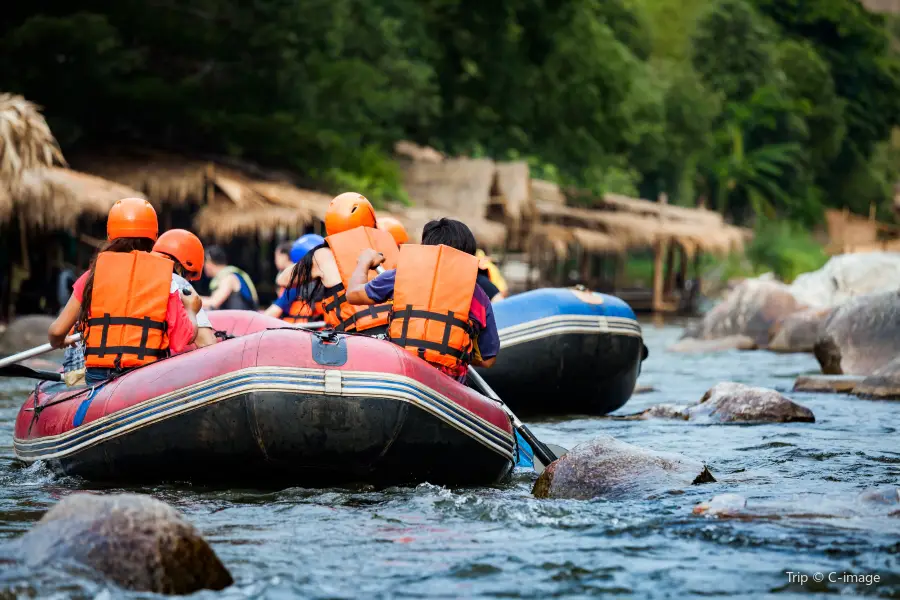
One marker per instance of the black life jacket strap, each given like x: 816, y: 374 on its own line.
x: 373, y: 310
x: 142, y: 351
x: 407, y: 313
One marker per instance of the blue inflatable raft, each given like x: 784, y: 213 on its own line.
x: 566, y: 351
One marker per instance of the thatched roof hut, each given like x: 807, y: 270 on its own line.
x: 489, y: 234
x: 287, y: 210
x: 171, y: 180
x: 459, y: 187
x: 561, y: 240
x: 232, y: 203
x: 643, y: 228
x: 26, y: 141
x: 476, y: 191
x: 55, y: 198
x: 547, y: 192
x: 226, y: 222
x: 45, y: 196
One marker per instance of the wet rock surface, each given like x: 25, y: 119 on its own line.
x: 840, y: 384
x: 799, y: 331
x: 848, y: 276
x: 733, y: 403
x: 135, y: 541
x: 750, y: 309
x: 26, y: 332
x: 608, y: 468
x: 731, y: 342
x: 860, y: 336
x: 883, y: 384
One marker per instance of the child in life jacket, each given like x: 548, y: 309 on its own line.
x: 439, y: 312
x: 325, y: 271
x: 290, y: 305
x: 124, y: 305
x: 186, y: 251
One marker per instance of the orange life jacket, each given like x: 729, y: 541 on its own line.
x: 433, y: 292
x: 346, y: 247
x: 301, y: 312
x: 127, y: 322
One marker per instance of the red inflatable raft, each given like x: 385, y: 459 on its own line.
x: 273, y: 406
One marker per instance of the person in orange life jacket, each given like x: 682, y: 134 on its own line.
x: 123, y: 305
x: 283, y: 262
x: 351, y: 227
x: 230, y: 288
x: 439, y: 313
x: 186, y: 251
x: 289, y: 306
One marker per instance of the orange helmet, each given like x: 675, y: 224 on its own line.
x: 132, y: 218
x: 349, y: 211
x: 185, y: 247
x: 395, y: 228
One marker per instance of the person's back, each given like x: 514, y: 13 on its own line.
x: 123, y: 305
x: 345, y: 248
x: 324, y: 273
x: 439, y: 312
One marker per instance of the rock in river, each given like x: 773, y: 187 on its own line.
x: 608, y: 468
x: 733, y: 403
x: 751, y: 309
x: 883, y: 384
x: 847, y: 276
x: 861, y: 336
x: 731, y: 342
x: 799, y: 331
x: 137, y: 542
x: 24, y: 333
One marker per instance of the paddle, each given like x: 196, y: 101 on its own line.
x: 542, y: 452
x: 23, y: 371
x: 43, y: 349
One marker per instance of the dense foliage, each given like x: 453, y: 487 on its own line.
x: 761, y: 107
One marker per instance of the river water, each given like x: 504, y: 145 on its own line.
x: 500, y: 542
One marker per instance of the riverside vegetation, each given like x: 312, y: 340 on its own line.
x: 764, y: 108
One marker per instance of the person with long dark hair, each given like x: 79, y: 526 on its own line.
x: 325, y: 271
x: 123, y: 305
x: 439, y: 312
x: 290, y: 306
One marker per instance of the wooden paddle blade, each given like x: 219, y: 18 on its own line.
x: 23, y: 371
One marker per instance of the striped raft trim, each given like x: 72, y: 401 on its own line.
x: 565, y: 324
x: 267, y: 379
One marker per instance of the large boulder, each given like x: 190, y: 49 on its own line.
x: 860, y: 336
x: 137, y: 542
x: 799, y: 331
x: 750, y: 309
x: 848, y: 276
x: 608, y: 468
x: 24, y: 333
x: 697, y: 346
x: 732, y: 403
x: 883, y: 383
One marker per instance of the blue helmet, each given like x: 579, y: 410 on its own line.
x: 304, y: 244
